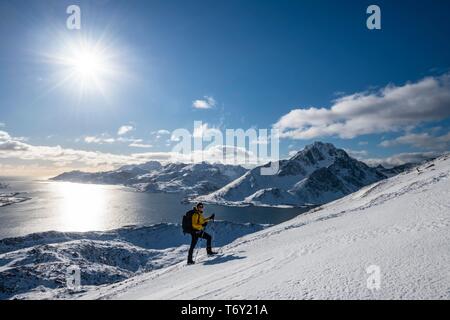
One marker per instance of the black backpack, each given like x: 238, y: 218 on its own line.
x: 186, y: 224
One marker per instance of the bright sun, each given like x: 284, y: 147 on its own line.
x: 89, y: 67
x: 86, y: 66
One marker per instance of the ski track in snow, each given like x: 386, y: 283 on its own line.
x: 401, y: 225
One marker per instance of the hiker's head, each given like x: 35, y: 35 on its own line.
x: 199, y: 206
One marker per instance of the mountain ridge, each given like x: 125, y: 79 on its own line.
x: 189, y: 179
x: 315, y: 175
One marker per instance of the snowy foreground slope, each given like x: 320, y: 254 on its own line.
x: 35, y: 266
x: 401, y: 224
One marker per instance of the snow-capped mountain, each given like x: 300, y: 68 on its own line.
x: 141, y: 168
x: 188, y: 179
x: 317, y: 174
x: 398, y: 228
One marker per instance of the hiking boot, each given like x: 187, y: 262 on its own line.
x: 211, y: 253
x: 190, y: 262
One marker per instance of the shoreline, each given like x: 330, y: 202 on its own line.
x: 7, y: 199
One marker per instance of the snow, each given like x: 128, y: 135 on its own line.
x: 191, y: 179
x: 34, y: 266
x: 401, y: 225
x: 318, y: 174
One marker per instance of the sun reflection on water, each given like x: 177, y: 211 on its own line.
x: 83, y: 206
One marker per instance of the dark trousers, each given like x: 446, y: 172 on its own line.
x: 195, y: 236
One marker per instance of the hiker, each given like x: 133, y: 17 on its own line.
x: 197, y: 231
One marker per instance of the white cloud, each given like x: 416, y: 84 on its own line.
x: 217, y: 153
x: 205, y: 131
x: 99, y: 140
x: 11, y: 148
x: 261, y: 140
x: 124, y: 129
x: 140, y: 145
x: 357, y: 154
x: 2, y: 124
x: 163, y: 132
x: 205, y: 103
x: 106, y: 139
x: 160, y: 133
x: 4, y: 135
x: 174, y: 138
x: 224, y: 153
x: 420, y: 140
x: 390, y: 109
x: 49, y: 158
x: 128, y: 140
x: 402, y: 158
x: 9, y: 143
x: 158, y: 156
x: 363, y: 143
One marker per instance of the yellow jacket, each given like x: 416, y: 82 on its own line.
x: 198, y: 220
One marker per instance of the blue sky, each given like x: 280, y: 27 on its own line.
x: 256, y: 61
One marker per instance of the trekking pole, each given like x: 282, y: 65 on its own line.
x: 213, y: 231
x: 198, y: 249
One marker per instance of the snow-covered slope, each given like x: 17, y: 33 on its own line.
x: 401, y: 225
x: 318, y: 174
x: 188, y: 179
x: 35, y: 266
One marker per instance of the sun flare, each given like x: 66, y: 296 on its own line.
x: 86, y: 66
x: 89, y: 67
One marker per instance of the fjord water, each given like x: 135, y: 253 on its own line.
x: 65, y: 206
